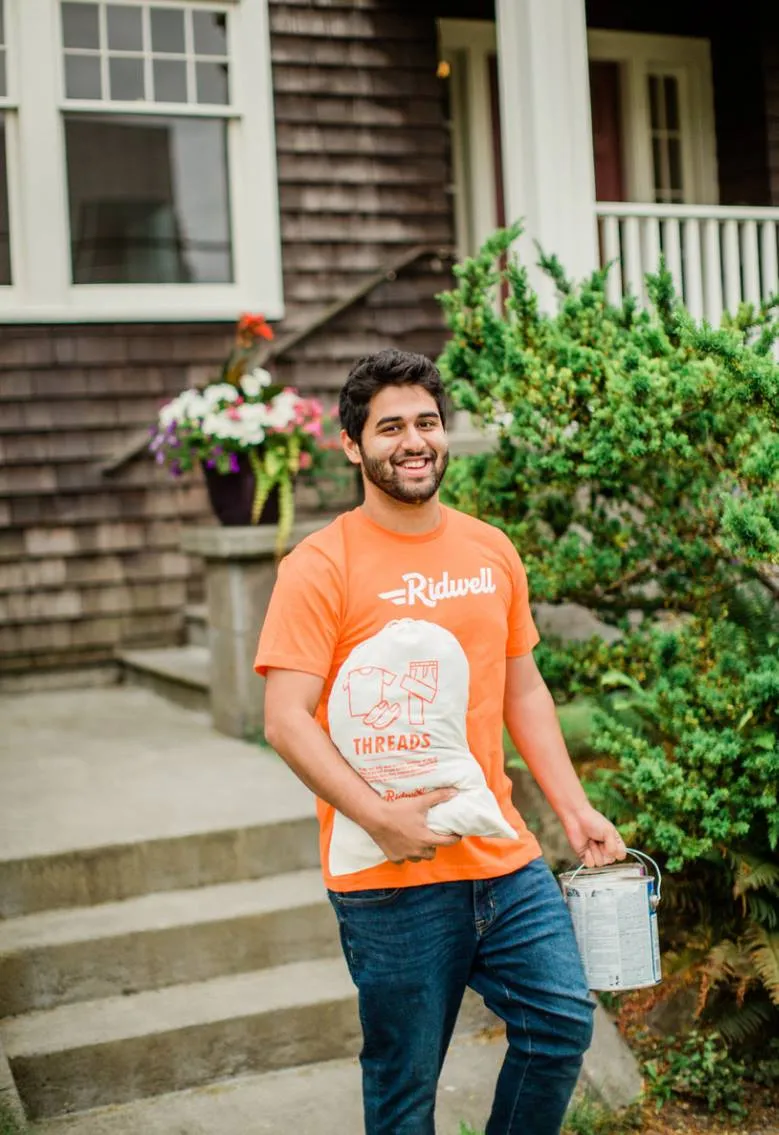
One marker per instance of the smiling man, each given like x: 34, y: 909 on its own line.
x: 397, y: 636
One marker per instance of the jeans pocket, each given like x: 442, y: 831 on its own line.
x: 377, y: 896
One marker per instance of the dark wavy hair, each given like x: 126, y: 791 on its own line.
x: 372, y: 373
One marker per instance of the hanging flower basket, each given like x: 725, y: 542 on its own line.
x: 250, y: 435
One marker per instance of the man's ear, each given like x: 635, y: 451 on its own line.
x: 350, y: 448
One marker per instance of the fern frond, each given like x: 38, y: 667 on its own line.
x: 763, y: 911
x: 754, y: 874
x: 741, y: 1023
x: 764, y: 952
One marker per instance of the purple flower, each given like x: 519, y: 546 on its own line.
x: 210, y: 464
x: 217, y: 450
x: 159, y: 457
x: 175, y: 469
x: 234, y: 466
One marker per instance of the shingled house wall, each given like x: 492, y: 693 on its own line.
x: 89, y: 563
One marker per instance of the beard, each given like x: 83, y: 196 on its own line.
x: 386, y: 476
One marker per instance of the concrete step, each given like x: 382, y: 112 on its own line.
x: 158, y: 940
x: 94, y: 1053
x: 315, y: 1099
x: 178, y: 673
x: 111, y: 873
x: 196, y: 624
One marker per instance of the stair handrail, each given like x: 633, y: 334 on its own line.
x: 271, y: 352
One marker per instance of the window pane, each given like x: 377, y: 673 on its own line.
x: 170, y: 80
x: 149, y: 200
x: 671, y: 102
x: 2, y: 23
x: 675, y: 163
x: 5, y: 241
x: 657, y: 161
x: 654, y: 102
x: 167, y: 30
x: 126, y: 77
x: 212, y: 83
x: 80, y: 26
x: 82, y: 77
x: 125, y: 28
x: 210, y: 33
x: 3, y: 81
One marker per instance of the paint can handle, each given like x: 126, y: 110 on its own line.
x: 640, y: 855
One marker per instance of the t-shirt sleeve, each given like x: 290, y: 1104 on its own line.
x: 301, y: 626
x: 522, y: 636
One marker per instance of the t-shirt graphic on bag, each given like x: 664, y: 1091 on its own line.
x: 397, y: 713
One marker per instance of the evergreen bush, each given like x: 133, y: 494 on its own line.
x: 636, y: 467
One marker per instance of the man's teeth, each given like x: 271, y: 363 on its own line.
x: 417, y: 463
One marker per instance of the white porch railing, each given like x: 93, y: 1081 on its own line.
x: 718, y: 255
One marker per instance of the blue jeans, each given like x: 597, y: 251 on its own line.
x: 412, y: 952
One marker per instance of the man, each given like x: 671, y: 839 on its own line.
x: 437, y: 912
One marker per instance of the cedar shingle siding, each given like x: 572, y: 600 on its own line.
x: 87, y: 562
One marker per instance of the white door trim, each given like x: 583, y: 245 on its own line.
x: 689, y: 60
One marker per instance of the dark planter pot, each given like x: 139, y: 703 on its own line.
x: 231, y: 496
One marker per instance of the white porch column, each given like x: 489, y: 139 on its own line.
x: 546, y: 127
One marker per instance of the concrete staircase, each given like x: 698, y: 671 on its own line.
x: 169, y: 960
x: 178, y: 673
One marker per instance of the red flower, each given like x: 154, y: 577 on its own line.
x: 254, y: 327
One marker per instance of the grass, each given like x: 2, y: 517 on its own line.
x: 9, y: 1124
x: 588, y: 1117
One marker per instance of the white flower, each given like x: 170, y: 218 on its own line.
x: 241, y: 425
x: 186, y: 407
x: 253, y: 383
x: 219, y: 392
x: 281, y: 411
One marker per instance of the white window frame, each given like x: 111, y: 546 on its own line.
x: 688, y: 59
x: 471, y: 42
x: 41, y: 289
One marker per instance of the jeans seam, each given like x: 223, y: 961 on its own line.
x: 525, y: 1071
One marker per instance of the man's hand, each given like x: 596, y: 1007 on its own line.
x: 401, y: 829
x: 593, y: 838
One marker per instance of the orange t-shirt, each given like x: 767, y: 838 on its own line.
x: 341, y: 587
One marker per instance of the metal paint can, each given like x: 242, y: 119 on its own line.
x: 614, y: 915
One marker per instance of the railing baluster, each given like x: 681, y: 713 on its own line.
x: 731, y: 262
x: 672, y: 247
x: 633, y: 269
x: 712, y: 273
x: 692, y: 268
x: 610, y: 254
x: 770, y: 274
x: 650, y: 232
x: 751, y: 263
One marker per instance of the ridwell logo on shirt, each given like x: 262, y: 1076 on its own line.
x: 424, y: 589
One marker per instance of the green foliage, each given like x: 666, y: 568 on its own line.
x: 9, y: 1124
x: 699, y: 1068
x: 636, y: 468
x: 636, y: 460
x: 587, y: 1116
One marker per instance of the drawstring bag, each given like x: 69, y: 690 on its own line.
x: 397, y: 713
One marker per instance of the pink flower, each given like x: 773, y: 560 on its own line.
x: 306, y: 460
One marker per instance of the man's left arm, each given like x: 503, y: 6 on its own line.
x: 531, y: 719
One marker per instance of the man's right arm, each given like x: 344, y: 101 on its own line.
x: 399, y: 828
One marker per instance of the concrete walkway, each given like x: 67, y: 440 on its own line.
x: 319, y: 1099
x: 88, y: 768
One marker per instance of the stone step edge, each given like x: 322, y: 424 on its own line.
x: 155, y: 854
x: 186, y: 665
x: 190, y: 906
x: 114, y: 1020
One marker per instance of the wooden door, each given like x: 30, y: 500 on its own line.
x: 605, y: 99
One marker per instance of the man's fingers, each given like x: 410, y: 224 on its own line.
x: 437, y: 796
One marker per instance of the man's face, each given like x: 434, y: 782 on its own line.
x: 404, y: 449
